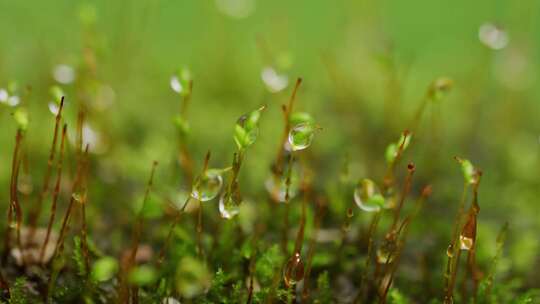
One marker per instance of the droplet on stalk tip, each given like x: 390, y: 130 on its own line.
x: 229, y: 205
x: 207, y: 186
x: 301, y: 136
x: 368, y: 197
x: 465, y: 243
x: 493, y: 36
x: 277, y: 187
x: 294, y: 270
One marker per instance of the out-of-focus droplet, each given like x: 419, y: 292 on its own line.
x: 273, y: 81
x: 207, y: 186
x: 367, y: 196
x: 170, y: 300
x: 238, y: 9
x: 25, y: 185
x: 450, y: 251
x: 79, y: 197
x: 294, y: 270
x: 465, y: 243
x: 176, y: 85
x: 64, y: 74
x: 301, y: 136
x: 440, y: 88
x: 13, y: 101
x: 387, y: 252
x: 3, y: 95
x: 53, y: 108
x: 277, y: 187
x: 493, y: 36
x: 229, y: 207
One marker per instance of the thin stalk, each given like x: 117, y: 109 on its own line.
x: 287, y: 110
x: 389, y: 178
x: 286, y: 224
x: 56, y: 194
x: 135, y: 239
x: 404, y: 192
x: 13, y: 192
x: 186, y: 162
x: 84, y: 231
x: 501, y: 238
x: 404, y: 234
x: 371, y: 234
x: 199, y: 227
x: 311, y: 250
x: 35, y: 213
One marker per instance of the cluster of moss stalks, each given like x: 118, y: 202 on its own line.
x: 247, y: 254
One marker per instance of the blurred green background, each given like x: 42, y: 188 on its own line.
x: 366, y: 66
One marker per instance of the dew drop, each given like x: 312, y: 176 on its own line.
x: 493, y: 36
x: 384, y: 256
x: 465, y: 243
x: 294, y: 270
x: 64, y: 74
x: 3, y: 95
x: 274, y: 82
x: 79, y: 197
x: 277, y: 187
x: 228, y: 206
x: 53, y: 108
x: 176, y: 85
x: 368, y: 197
x: 207, y: 186
x: 300, y: 136
x: 13, y: 101
x: 450, y: 251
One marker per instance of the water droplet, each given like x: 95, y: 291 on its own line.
x: 64, y: 74
x: 207, y: 186
x: 301, y: 135
x: 274, y: 82
x: 277, y: 187
x: 229, y: 207
x: 54, y: 108
x: 176, y: 85
x: 294, y: 270
x: 238, y: 9
x: 79, y: 197
x: 13, y: 101
x: 493, y: 36
x: 465, y: 243
x: 450, y: 251
x: 368, y: 197
x: 3, y: 96
x: 24, y: 184
x: 384, y: 256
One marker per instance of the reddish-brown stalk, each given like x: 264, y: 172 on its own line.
x: 371, y: 234
x: 286, y: 224
x: 186, y: 162
x: 123, y: 292
x: 74, y: 188
x: 200, y: 251
x: 404, y: 227
x: 56, y: 194
x: 36, y: 212
x: 15, y: 204
x: 389, y: 179
x: 287, y: 110
x: 311, y: 249
x: 13, y: 193
x: 84, y: 232
x: 404, y: 192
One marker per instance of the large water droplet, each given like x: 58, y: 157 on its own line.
x: 229, y: 207
x: 294, y: 270
x: 450, y: 251
x: 277, y: 187
x: 493, y: 36
x: 368, y: 197
x: 207, y: 186
x: 301, y: 135
x: 465, y: 243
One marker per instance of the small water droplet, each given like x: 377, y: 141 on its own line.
x: 450, y: 251
x: 384, y: 256
x: 493, y: 36
x: 64, y: 74
x: 301, y: 136
x: 237, y: 9
x: 465, y: 243
x: 13, y: 101
x: 176, y: 85
x: 274, y: 82
x: 228, y: 206
x: 3, y: 95
x: 277, y: 187
x: 368, y: 197
x: 294, y: 270
x: 79, y: 197
x: 207, y: 186
x: 53, y: 108
x: 25, y: 185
